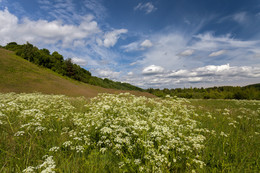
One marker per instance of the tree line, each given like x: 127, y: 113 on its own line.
x: 65, y: 67
x: 250, y: 92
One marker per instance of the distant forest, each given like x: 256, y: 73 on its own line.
x: 56, y: 62
x: 250, y: 92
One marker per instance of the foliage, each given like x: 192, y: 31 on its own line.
x: 251, y: 92
x: 56, y: 63
x: 124, y: 133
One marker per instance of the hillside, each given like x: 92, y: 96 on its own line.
x: 18, y: 75
x: 253, y: 86
x: 65, y: 67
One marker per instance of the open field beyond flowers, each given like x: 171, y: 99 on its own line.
x: 125, y: 133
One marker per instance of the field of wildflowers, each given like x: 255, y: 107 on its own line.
x: 125, y: 133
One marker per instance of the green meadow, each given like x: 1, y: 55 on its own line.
x: 126, y: 133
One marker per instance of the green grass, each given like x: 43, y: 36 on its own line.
x: 20, y: 76
x: 125, y: 133
x: 240, y: 120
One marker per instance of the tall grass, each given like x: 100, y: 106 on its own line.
x: 125, y: 133
x: 237, y: 147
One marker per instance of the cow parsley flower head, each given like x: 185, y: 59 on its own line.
x: 19, y: 133
x: 29, y: 169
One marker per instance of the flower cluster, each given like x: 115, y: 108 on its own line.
x: 136, y: 134
x: 142, y: 131
x: 47, y: 166
x: 147, y: 135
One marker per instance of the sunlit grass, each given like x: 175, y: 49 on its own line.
x: 125, y: 133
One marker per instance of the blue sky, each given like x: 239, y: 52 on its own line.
x: 158, y: 44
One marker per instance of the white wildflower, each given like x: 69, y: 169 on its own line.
x: 29, y: 169
x: 121, y: 164
x: 67, y: 143
x: 141, y: 169
x: 39, y: 128
x: 106, y: 107
x: 48, y: 164
x: 77, y: 138
x: 223, y: 134
x: 19, y: 133
x: 137, y: 161
x: 103, y: 150
x: 54, y: 149
x: 79, y: 149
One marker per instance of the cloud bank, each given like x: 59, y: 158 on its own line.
x: 158, y: 77
x: 43, y: 31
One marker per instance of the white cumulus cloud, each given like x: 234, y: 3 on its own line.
x: 214, y: 70
x: 130, y: 73
x: 146, y: 44
x: 210, y: 75
x: 217, y: 71
x: 153, y: 69
x: 79, y: 61
x: 137, y: 46
x: 186, y: 52
x: 43, y: 31
x: 110, y: 38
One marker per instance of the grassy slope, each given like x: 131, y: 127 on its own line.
x: 18, y: 75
